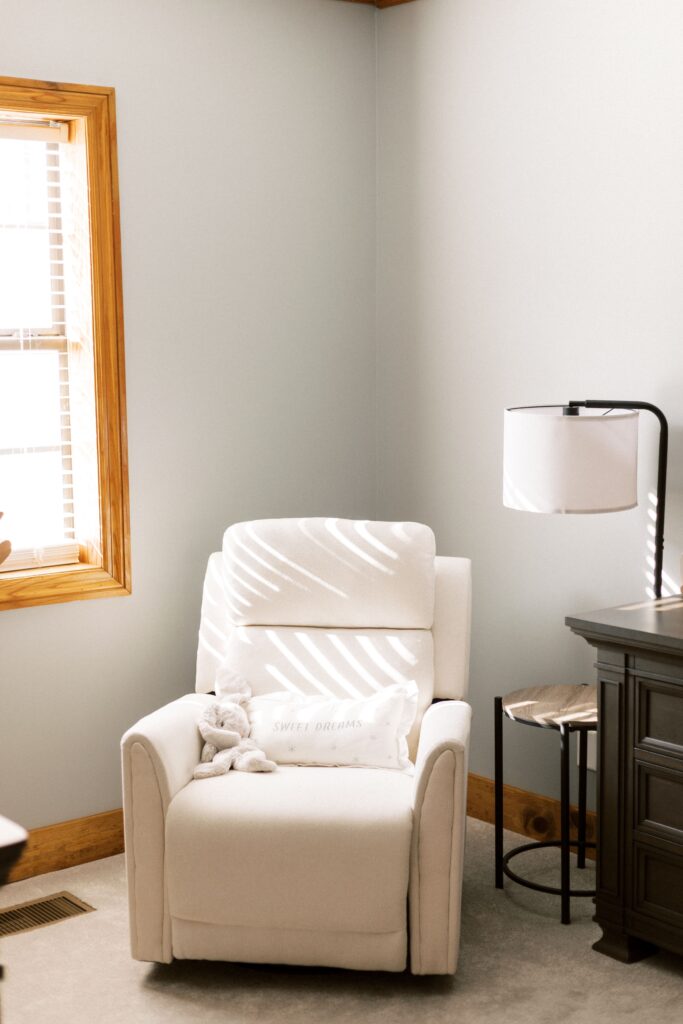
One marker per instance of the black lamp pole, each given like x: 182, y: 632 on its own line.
x: 661, y: 469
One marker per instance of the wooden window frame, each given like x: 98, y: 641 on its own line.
x: 108, y: 573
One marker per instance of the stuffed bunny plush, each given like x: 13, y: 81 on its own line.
x: 225, y: 730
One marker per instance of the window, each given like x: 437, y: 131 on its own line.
x: 63, y: 464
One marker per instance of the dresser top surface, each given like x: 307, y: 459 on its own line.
x: 653, y: 624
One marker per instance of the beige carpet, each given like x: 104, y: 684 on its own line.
x: 517, y: 964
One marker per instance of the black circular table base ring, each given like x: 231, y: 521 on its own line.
x: 536, y: 885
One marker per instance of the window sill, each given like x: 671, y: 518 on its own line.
x: 52, y: 584
x: 37, y: 558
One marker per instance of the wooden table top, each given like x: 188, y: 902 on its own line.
x: 657, y: 625
x: 553, y: 706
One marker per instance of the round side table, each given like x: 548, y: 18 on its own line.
x: 567, y: 709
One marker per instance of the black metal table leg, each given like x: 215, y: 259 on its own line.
x: 498, y: 742
x: 583, y: 771
x: 567, y: 710
x: 564, y: 814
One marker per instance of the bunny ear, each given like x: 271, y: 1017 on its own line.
x: 211, y: 712
x: 230, y: 684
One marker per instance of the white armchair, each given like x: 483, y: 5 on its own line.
x: 311, y: 865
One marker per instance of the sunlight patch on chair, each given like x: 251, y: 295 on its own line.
x: 212, y: 602
x: 294, y: 565
x: 275, y: 672
x: 318, y: 543
x: 399, y: 531
x: 237, y: 596
x: 402, y: 650
x: 215, y: 652
x: 381, y: 662
x: 331, y: 526
x: 325, y: 663
x: 353, y: 661
x: 261, y: 561
x: 252, y: 572
x: 296, y: 662
x: 361, y: 527
x: 219, y: 633
x: 247, y: 586
x: 235, y: 612
x: 216, y: 576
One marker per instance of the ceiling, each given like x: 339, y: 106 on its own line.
x: 380, y: 3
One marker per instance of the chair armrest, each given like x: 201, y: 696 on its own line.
x: 159, y: 755
x: 439, y: 815
x: 170, y: 737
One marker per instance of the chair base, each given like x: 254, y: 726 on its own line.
x: 368, y: 951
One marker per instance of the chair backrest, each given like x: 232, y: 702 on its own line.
x: 336, y: 606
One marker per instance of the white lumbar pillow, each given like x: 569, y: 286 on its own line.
x: 368, y: 732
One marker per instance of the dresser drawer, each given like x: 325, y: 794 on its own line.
x: 658, y: 879
x: 658, y: 804
x: 659, y: 717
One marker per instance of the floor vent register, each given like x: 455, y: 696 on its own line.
x: 23, y: 917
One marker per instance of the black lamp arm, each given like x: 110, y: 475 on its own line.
x: 661, y: 471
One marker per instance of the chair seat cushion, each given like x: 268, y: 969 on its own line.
x: 324, y: 849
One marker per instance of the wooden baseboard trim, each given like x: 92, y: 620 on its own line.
x: 101, y: 835
x: 529, y: 814
x: 69, y: 843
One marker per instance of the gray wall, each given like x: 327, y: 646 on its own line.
x: 530, y: 240
x: 529, y: 244
x: 247, y: 165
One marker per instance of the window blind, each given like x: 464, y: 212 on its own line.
x: 36, y: 473
x: 33, y: 130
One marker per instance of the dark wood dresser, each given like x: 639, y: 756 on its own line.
x: 639, y: 899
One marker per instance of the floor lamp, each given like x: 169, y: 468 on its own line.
x: 574, y: 458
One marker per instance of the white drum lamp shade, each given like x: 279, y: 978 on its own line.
x: 581, y: 463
